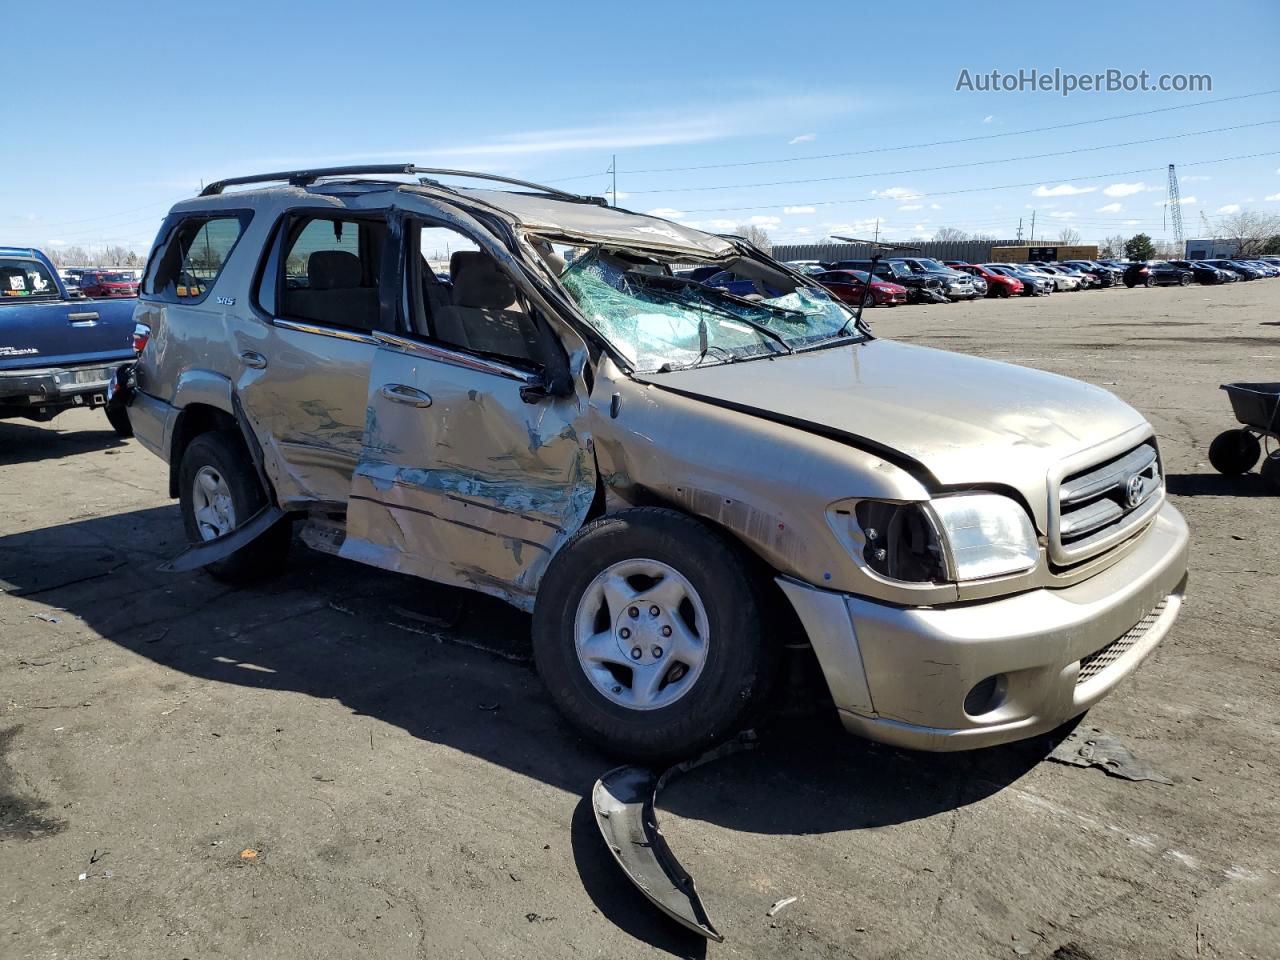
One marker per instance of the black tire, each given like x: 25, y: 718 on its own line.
x: 1184, y: 280
x: 1129, y: 284
x: 1271, y: 472
x: 119, y: 420
x: 1234, y: 452
x: 1152, y: 281
x: 740, y: 662
x: 225, y: 451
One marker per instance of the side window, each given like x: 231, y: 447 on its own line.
x: 331, y: 271
x: 193, y: 258
x: 467, y: 300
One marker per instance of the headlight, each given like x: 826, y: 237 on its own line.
x: 987, y: 535
x: 956, y: 538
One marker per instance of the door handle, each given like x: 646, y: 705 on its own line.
x: 85, y: 319
x: 399, y: 393
x: 251, y: 359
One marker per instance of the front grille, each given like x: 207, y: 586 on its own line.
x: 1098, y: 661
x: 1099, y: 506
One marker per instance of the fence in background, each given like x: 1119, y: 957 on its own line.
x: 971, y: 251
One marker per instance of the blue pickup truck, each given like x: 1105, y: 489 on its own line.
x: 57, y: 352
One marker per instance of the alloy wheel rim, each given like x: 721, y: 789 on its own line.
x: 641, y: 634
x: 211, y: 503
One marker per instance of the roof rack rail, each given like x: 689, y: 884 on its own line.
x: 303, y: 178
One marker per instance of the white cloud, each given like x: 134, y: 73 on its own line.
x: 720, y: 224
x: 621, y: 195
x: 803, y: 138
x: 1182, y: 202
x: 1273, y: 196
x: 1229, y: 208
x: 896, y: 193
x: 1110, y: 208
x: 1129, y: 223
x: 989, y: 118
x: 667, y: 213
x: 1061, y: 190
x: 765, y: 221
x: 1063, y: 215
x: 912, y: 206
x: 858, y: 228
x: 935, y: 206
x: 1127, y: 189
x: 797, y: 209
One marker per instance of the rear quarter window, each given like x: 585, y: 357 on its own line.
x: 191, y: 255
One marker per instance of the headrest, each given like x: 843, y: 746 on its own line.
x: 478, y: 281
x: 333, y: 269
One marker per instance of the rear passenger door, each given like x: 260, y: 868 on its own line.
x: 304, y: 373
x: 471, y: 472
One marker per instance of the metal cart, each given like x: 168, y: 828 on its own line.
x: 1233, y: 452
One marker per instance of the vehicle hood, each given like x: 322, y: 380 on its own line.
x: 965, y: 420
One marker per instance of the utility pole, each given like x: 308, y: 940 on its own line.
x: 1019, y: 229
x: 877, y: 237
x: 613, y: 169
x: 1033, y: 227
x: 1175, y: 210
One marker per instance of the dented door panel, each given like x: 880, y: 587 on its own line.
x: 461, y: 480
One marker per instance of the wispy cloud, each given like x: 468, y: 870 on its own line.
x: 1229, y: 208
x: 667, y: 213
x: 896, y: 193
x: 912, y: 206
x: 804, y: 138
x: 1110, y: 208
x: 1194, y: 177
x: 1272, y: 196
x: 1061, y: 190
x: 1063, y: 215
x: 797, y: 209
x: 989, y: 118
x: 1182, y: 202
x: 1127, y: 189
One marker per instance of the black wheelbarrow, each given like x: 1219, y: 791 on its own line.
x: 1257, y: 407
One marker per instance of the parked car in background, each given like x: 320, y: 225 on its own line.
x: 700, y: 274
x: 955, y: 284
x: 1268, y: 269
x: 1156, y: 272
x: 57, y: 352
x: 921, y: 287
x: 103, y: 284
x: 998, y: 284
x: 1203, y: 273
x: 848, y: 287
x: 808, y: 267
x: 677, y: 485
x: 1062, y: 280
x: 1033, y: 285
x: 1241, y: 270
x: 741, y: 286
x: 1107, y: 276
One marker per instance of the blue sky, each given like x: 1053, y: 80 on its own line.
x: 135, y: 104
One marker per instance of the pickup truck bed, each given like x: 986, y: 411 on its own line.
x: 56, y: 352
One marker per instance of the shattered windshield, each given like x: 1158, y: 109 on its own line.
x: 661, y: 322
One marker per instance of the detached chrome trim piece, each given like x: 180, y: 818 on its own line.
x: 335, y: 332
x: 468, y: 361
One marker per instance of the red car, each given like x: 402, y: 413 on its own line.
x: 847, y: 286
x: 997, y: 284
x: 106, y: 283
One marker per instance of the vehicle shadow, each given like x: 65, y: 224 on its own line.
x: 20, y: 443
x: 452, y: 668
x: 1217, y: 485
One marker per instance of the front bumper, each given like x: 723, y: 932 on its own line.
x: 900, y: 675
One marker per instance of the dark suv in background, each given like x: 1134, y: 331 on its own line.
x: 1156, y: 272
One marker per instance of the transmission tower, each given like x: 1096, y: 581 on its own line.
x: 1175, y: 210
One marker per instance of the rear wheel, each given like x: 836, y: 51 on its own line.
x: 218, y: 491
x: 649, y: 635
x: 1151, y: 281
x: 1234, y: 452
x: 119, y: 420
x: 1130, y: 284
x: 1184, y: 280
x: 1271, y: 471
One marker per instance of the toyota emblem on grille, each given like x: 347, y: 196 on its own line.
x: 1133, y: 490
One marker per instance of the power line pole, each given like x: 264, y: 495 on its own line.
x: 1019, y: 229
x: 613, y: 169
x: 1175, y: 210
x: 877, y: 236
x: 1033, y: 226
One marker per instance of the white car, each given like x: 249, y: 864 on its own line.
x: 1060, y: 281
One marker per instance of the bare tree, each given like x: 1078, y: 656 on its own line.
x: 1068, y: 236
x: 945, y: 234
x: 755, y: 235
x: 75, y: 256
x: 1250, y: 229
x: 1113, y: 246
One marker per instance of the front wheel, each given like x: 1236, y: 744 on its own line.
x: 1184, y: 280
x: 1271, y: 471
x: 649, y: 635
x: 1234, y: 452
x: 219, y: 490
x: 1151, y: 281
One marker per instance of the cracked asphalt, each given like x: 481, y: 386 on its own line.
x: 349, y: 763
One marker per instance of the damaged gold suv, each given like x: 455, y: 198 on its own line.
x: 517, y: 390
